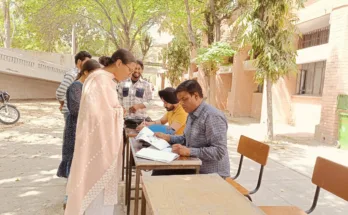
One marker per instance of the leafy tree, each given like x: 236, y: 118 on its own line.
x: 123, y: 21
x: 5, y: 4
x: 177, y: 59
x: 217, y: 11
x: 211, y: 57
x: 269, y: 27
x: 145, y: 43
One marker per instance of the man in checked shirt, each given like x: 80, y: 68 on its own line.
x: 135, y: 94
x: 205, y: 135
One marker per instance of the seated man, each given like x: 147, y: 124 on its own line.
x: 176, y: 116
x: 205, y: 135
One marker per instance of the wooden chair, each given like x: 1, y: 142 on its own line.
x: 328, y: 175
x: 255, y: 151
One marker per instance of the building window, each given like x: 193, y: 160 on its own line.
x: 314, y: 38
x: 310, y: 79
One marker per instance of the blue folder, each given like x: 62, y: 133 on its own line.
x: 161, y: 128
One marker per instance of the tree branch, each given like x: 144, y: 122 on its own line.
x: 122, y: 12
x: 111, y: 32
x: 189, y: 25
x: 132, y: 15
x: 138, y: 30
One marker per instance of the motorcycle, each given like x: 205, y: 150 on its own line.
x: 9, y: 114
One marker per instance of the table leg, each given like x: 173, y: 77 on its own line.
x: 143, y: 203
x: 127, y: 169
x: 129, y: 184
x: 197, y: 170
x: 136, y: 197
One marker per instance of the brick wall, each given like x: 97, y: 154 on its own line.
x: 243, y: 86
x: 256, y: 106
x: 220, y: 85
x: 306, y: 111
x: 336, y: 74
x: 27, y: 88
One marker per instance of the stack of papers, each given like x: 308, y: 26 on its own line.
x: 156, y: 155
x: 159, y: 150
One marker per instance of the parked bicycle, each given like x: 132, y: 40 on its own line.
x: 9, y: 114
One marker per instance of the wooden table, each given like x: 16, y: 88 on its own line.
x: 194, y: 194
x: 143, y: 164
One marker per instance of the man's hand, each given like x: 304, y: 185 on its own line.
x: 136, y: 107
x: 124, y: 111
x: 165, y: 137
x: 61, y: 107
x: 141, y: 126
x: 133, y: 109
x: 181, y: 150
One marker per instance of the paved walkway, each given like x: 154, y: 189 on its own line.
x: 31, y: 150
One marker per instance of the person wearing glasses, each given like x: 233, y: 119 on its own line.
x: 135, y: 94
x: 96, y: 167
x: 205, y: 135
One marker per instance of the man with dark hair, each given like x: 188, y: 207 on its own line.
x: 135, y: 93
x: 175, y: 117
x: 205, y: 134
x: 68, y: 79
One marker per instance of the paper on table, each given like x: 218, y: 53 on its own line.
x: 156, y: 155
x: 169, y: 149
x: 148, y: 136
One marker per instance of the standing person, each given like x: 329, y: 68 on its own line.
x: 73, y: 97
x: 96, y: 167
x: 135, y: 94
x: 68, y: 79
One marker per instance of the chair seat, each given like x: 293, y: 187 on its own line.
x: 282, y: 210
x: 239, y: 187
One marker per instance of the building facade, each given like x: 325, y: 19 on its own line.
x: 306, y: 98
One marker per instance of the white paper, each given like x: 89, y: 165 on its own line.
x: 156, y: 155
x: 148, y: 136
x: 169, y: 149
x: 146, y: 132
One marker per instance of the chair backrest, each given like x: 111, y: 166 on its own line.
x: 253, y: 150
x: 332, y: 177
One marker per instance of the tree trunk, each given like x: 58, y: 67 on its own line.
x: 73, y: 41
x: 193, y: 54
x: 7, y: 23
x: 215, y: 21
x: 192, y: 38
x: 210, y: 27
x: 269, y: 110
x: 218, y: 31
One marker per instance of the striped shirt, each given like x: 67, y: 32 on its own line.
x: 206, y: 137
x: 68, y: 79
